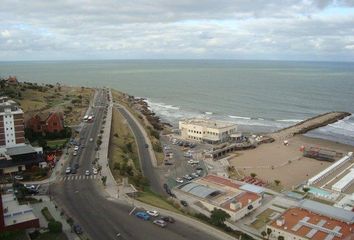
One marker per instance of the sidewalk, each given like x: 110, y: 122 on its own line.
x: 56, y: 213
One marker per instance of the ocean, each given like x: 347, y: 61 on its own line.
x: 260, y: 96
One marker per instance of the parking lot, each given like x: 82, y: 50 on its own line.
x: 182, y: 163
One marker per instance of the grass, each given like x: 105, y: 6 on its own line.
x: 121, y: 135
x: 56, y: 143
x: 52, y: 236
x: 151, y: 198
x: 16, y: 235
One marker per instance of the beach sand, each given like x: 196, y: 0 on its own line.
x: 261, y: 160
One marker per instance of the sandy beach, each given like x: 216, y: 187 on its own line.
x: 275, y: 161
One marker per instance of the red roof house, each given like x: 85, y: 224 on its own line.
x: 46, y: 122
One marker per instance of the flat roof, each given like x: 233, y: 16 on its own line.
x: 311, y: 225
x: 345, y: 181
x: 20, y: 150
x: 208, y: 123
x: 327, y: 210
x: 252, y: 188
x: 199, y: 190
x: 14, y: 212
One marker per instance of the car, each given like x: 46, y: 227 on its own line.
x: 153, y: 213
x: 73, y: 171
x: 184, y: 203
x: 187, y: 177
x: 195, y: 175
x: 94, y: 171
x: 76, y: 148
x: 76, y: 166
x: 91, y: 139
x: 19, y: 177
x: 77, y: 229
x: 160, y: 223
x: 68, y: 170
x: 75, y: 153
x: 146, y: 145
x: 87, y: 172
x: 142, y: 215
x: 168, y: 219
x: 179, y: 180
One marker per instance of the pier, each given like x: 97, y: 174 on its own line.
x: 308, y: 125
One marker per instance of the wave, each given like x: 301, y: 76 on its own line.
x: 238, y: 117
x: 208, y: 113
x: 289, y: 120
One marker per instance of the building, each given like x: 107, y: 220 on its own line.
x: 313, y: 220
x: 11, y: 123
x: 46, y: 123
x: 208, y: 131
x: 345, y: 182
x: 12, y: 80
x: 217, y: 192
x: 14, y: 216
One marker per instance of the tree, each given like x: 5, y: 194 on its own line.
x: 264, y: 234
x: 55, y: 227
x: 277, y: 182
x: 253, y: 175
x: 269, y: 231
x: 281, y: 238
x: 104, y: 180
x: 218, y: 217
x: 306, y: 189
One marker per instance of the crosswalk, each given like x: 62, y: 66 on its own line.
x: 77, y: 177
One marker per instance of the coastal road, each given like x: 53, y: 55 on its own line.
x: 83, y: 199
x: 145, y: 158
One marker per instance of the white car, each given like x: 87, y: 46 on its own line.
x: 75, y: 153
x: 152, y: 213
x: 68, y: 170
x: 76, y: 148
x: 94, y: 171
x: 87, y: 172
x: 179, y: 180
x: 160, y: 223
x: 91, y: 139
x: 18, y: 177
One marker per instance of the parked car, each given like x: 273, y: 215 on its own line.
x: 91, y: 139
x: 87, y: 172
x: 142, y: 215
x: 19, y: 177
x: 68, y: 170
x: 76, y: 148
x: 75, y: 153
x: 73, y: 171
x: 76, y: 166
x: 168, y: 219
x: 184, y: 203
x: 199, y: 172
x: 187, y: 177
x: 153, y: 213
x: 146, y: 145
x: 160, y: 223
x: 94, y: 171
x: 77, y: 229
x: 179, y: 180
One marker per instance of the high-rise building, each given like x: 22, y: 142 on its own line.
x: 11, y: 123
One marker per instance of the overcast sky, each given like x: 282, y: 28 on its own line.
x: 177, y: 29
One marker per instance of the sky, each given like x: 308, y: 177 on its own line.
x: 318, y: 30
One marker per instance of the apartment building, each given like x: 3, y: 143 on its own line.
x: 11, y: 123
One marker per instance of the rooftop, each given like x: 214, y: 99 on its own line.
x: 208, y: 123
x: 310, y: 225
x: 6, y: 103
x: 15, y: 213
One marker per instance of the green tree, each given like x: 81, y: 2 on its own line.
x: 269, y: 231
x: 55, y: 227
x: 281, y: 238
x: 253, y: 175
x: 218, y: 217
x: 264, y: 234
x: 277, y: 182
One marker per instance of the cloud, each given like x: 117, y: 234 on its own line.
x: 273, y: 29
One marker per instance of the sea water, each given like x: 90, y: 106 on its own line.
x: 258, y: 95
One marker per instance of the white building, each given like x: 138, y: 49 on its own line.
x: 204, y: 130
x: 11, y: 124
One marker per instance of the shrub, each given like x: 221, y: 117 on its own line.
x: 47, y: 214
x: 55, y: 227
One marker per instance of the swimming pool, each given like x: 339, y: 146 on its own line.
x: 319, y: 192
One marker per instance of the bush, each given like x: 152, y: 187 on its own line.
x: 47, y: 214
x: 55, y: 227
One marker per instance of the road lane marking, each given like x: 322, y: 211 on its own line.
x: 131, y: 212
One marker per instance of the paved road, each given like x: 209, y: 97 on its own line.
x: 100, y: 217
x: 145, y: 159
